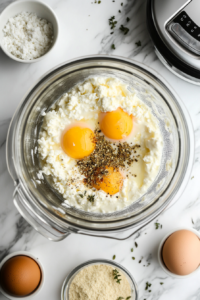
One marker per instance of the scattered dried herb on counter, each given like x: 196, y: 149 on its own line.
x: 119, y: 11
x: 158, y: 225
x: 124, y: 29
x: 131, y: 249
x: 136, y: 245
x: 147, y: 285
x: 122, y: 4
x: 127, y: 19
x: 161, y: 283
x: 114, y: 256
x: 112, y: 22
x: 138, y: 43
x: 133, y: 258
x: 113, y: 46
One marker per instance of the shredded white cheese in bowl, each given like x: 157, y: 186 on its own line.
x: 27, y: 36
x: 28, y: 30
x: 99, y: 280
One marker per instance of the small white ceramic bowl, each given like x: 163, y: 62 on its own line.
x: 24, y: 253
x: 160, y: 260
x: 42, y: 10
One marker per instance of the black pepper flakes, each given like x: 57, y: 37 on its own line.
x: 93, y: 167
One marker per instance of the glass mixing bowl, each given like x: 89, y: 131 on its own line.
x: 71, y: 276
x: 35, y: 198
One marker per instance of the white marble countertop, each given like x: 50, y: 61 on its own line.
x: 85, y: 30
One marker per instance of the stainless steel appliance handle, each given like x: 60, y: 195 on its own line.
x: 45, y: 227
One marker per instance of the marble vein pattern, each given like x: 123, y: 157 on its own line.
x: 85, y: 30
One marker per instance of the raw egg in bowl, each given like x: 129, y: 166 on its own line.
x: 78, y: 141
x: 116, y: 125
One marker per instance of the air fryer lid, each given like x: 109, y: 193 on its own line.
x: 174, y: 26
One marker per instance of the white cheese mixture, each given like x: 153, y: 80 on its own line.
x: 27, y: 36
x: 84, y: 102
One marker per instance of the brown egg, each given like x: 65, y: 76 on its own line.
x: 20, y: 276
x: 181, y: 252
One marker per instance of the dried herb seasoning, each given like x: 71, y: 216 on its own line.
x: 116, y: 276
x: 147, y: 285
x: 158, y: 225
x: 124, y: 29
x: 93, y: 167
x: 91, y: 198
x: 112, y: 22
x: 138, y: 43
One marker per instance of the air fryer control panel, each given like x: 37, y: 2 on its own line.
x: 184, y: 28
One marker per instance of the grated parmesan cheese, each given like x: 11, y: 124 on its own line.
x: 27, y: 36
x: 96, y: 282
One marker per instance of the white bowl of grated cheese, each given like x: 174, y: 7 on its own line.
x: 28, y: 30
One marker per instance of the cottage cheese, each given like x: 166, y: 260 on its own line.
x: 27, y: 36
x: 84, y: 102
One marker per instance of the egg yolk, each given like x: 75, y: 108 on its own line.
x: 116, y: 125
x: 111, y: 182
x: 78, y: 142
